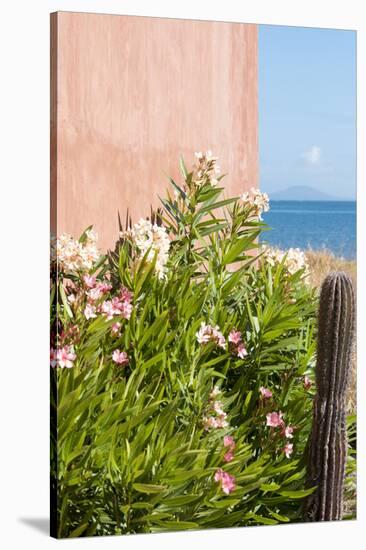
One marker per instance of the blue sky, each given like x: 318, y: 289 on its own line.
x: 307, y: 109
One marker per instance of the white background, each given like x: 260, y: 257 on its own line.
x: 24, y: 203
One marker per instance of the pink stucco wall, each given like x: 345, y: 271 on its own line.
x: 129, y: 95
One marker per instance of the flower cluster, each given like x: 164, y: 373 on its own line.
x: 295, y: 258
x: 62, y: 357
x: 275, y: 420
x: 116, y: 306
x: 226, y: 481
x: 119, y: 305
x: 256, y: 200
x: 236, y: 344
x: 207, y: 333
x: 206, y: 170
x: 216, y: 416
x: 120, y: 357
x: 94, y: 291
x: 151, y: 239
x: 74, y: 256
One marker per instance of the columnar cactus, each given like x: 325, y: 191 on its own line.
x: 328, y: 442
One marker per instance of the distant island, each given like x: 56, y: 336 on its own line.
x: 303, y: 193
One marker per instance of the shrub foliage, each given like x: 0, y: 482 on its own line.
x: 187, y: 399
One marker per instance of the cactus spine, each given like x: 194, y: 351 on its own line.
x: 328, y: 442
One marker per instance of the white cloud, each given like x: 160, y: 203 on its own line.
x: 313, y: 156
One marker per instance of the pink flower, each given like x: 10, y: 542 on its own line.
x: 227, y: 481
x: 108, y: 309
x: 115, y: 306
x: 123, y: 308
x: 287, y: 431
x: 116, y: 303
x: 218, y: 416
x: 115, y: 328
x: 228, y: 457
x: 288, y: 449
x: 234, y: 337
x: 229, y: 442
x: 237, y: 346
x: 94, y: 294
x: 218, y: 474
x: 125, y: 295
x: 104, y: 287
x: 307, y: 383
x: 219, y: 338
x: 126, y: 310
x: 101, y: 287
x: 204, y: 334
x: 241, y: 351
x: 120, y: 357
x: 66, y: 357
x: 274, y: 419
x: 90, y: 311
x: 90, y: 280
x: 53, y: 357
x: 265, y: 392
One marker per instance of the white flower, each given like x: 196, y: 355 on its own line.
x: 215, y: 416
x: 209, y: 422
x: 90, y: 311
x: 210, y: 157
x: 215, y: 392
x: 295, y: 258
x: 71, y: 298
x: 153, y: 238
x: 206, y: 169
x: 91, y: 236
x: 218, y: 408
x: 221, y: 422
x: 257, y: 200
x: 73, y: 256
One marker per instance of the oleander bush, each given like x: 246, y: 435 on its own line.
x: 182, y: 370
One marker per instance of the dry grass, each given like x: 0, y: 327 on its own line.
x: 321, y: 263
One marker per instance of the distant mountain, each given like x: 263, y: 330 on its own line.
x: 302, y: 193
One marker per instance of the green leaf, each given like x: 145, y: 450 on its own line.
x: 297, y: 494
x: 148, y: 488
x: 270, y: 486
x: 183, y: 168
x: 64, y: 300
x: 180, y: 500
x: 279, y: 517
x: 177, y: 525
x: 237, y: 248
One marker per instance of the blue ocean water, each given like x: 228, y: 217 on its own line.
x: 314, y: 224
